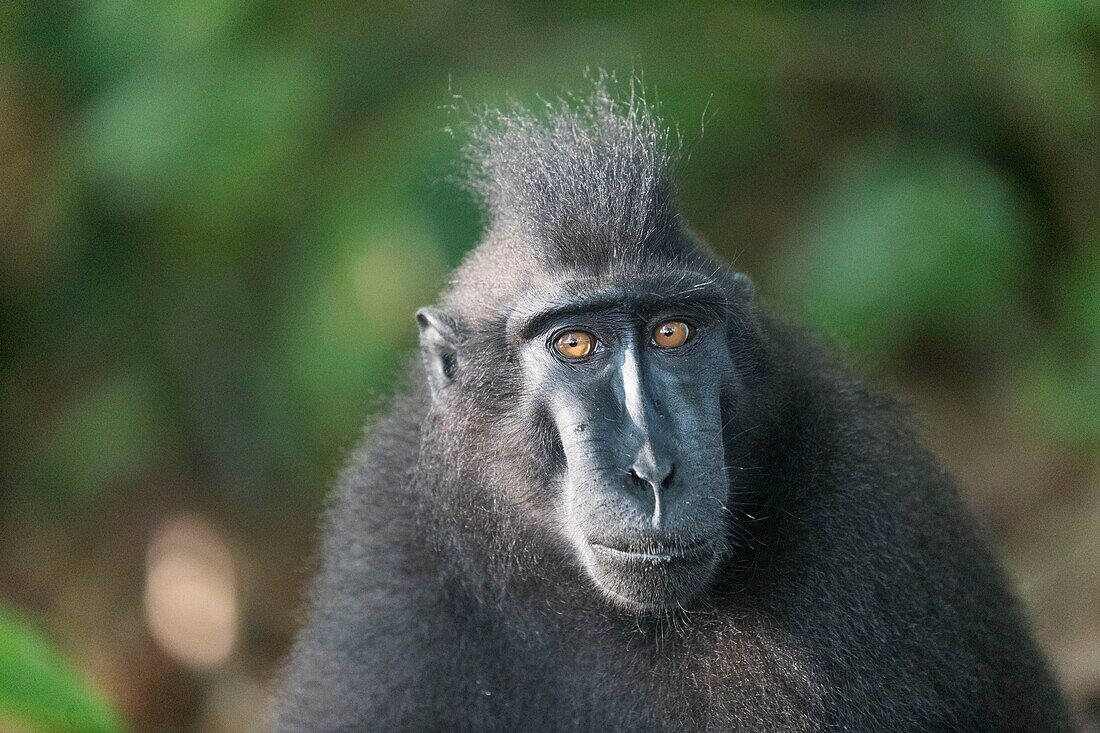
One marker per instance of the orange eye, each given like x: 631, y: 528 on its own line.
x: 672, y: 334
x: 575, y: 344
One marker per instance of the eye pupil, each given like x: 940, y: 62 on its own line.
x: 575, y: 344
x: 672, y: 334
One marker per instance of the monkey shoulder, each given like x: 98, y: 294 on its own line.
x: 878, y: 566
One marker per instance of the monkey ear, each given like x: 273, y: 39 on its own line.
x: 742, y: 288
x: 438, y: 347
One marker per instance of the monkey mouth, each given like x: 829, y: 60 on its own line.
x: 692, y: 551
x: 654, y: 577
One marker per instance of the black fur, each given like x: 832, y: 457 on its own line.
x: 857, y: 597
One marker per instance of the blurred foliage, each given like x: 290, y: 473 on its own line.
x: 910, y: 245
x: 218, y: 217
x: 227, y: 210
x: 36, y: 688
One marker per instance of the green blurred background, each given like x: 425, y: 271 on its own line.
x: 217, y: 217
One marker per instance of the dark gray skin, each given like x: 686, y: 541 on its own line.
x: 730, y: 535
x: 642, y: 494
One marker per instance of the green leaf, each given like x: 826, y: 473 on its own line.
x: 38, y: 689
x: 1059, y: 383
x: 909, y: 243
x: 101, y: 439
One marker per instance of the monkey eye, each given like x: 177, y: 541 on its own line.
x: 575, y: 344
x: 672, y: 334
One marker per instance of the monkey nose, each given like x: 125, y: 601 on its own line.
x: 655, y: 475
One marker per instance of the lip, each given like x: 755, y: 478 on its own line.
x: 694, y: 551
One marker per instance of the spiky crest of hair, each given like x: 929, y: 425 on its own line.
x: 584, y: 180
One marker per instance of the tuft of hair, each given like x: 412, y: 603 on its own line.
x: 585, y: 179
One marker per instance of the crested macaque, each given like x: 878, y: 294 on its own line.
x: 618, y: 494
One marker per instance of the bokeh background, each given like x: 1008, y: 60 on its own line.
x: 217, y: 217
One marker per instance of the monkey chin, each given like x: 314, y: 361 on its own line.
x: 650, y: 582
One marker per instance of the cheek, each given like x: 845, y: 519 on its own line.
x: 547, y: 390
x: 592, y: 491
x: 695, y: 412
x: 590, y: 506
x: 586, y: 475
x: 695, y: 434
x: 581, y: 424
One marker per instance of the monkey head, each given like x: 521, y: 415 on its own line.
x: 627, y: 383
x: 593, y: 335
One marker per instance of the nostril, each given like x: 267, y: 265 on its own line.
x: 638, y: 481
x: 643, y: 480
